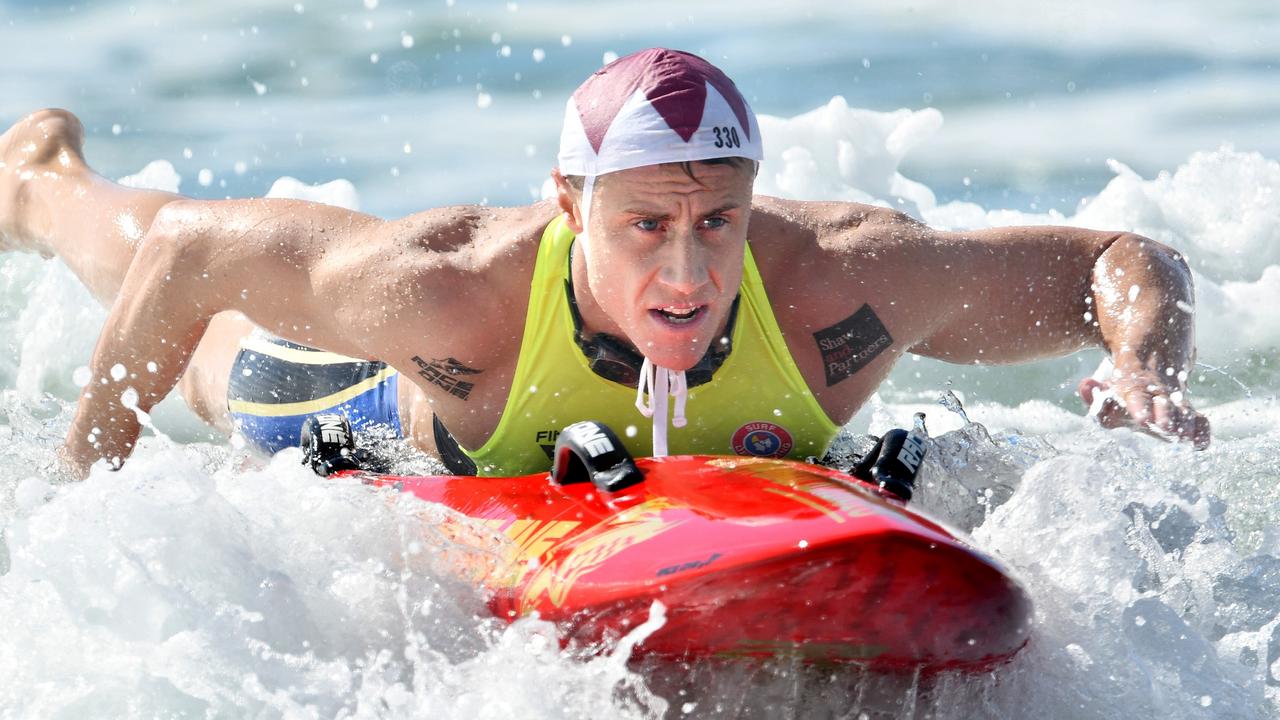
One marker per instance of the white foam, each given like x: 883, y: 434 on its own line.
x: 840, y: 153
x: 157, y: 175
x: 335, y: 192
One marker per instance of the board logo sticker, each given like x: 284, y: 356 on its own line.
x: 628, y: 528
x: 762, y: 439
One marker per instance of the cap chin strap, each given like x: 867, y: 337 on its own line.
x: 588, y: 189
x: 659, y: 383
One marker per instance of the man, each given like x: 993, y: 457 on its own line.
x: 654, y: 272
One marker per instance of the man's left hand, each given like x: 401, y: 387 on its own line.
x: 1145, y: 402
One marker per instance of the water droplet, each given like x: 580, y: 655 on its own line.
x: 406, y: 40
x: 118, y: 372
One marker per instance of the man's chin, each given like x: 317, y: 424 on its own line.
x: 678, y: 360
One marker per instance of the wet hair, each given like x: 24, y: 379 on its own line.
x: 737, y: 163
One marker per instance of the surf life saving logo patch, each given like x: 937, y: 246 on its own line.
x: 762, y: 439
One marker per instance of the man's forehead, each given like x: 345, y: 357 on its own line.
x: 720, y: 179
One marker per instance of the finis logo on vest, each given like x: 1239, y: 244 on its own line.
x: 762, y: 439
x: 546, y: 439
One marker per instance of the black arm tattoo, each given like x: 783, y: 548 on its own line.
x: 850, y: 344
x: 442, y: 374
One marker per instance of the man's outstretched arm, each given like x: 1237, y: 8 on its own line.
x: 154, y: 326
x: 272, y: 260
x: 1013, y: 294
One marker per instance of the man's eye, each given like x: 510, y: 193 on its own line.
x: 648, y: 225
x: 715, y: 223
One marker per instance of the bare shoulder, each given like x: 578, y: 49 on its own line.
x: 465, y: 253
x: 357, y: 284
x: 829, y: 229
x: 457, y: 278
x: 834, y: 248
x: 843, y: 287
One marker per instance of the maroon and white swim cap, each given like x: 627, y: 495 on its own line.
x: 651, y: 107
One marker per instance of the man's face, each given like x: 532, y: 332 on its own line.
x: 665, y: 256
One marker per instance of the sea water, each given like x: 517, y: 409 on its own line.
x: 200, y: 582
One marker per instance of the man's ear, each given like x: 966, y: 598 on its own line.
x: 567, y: 198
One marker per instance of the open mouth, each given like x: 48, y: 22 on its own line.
x: 679, y: 315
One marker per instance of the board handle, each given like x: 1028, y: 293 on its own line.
x: 590, y: 451
x: 895, y: 461
x: 329, y: 444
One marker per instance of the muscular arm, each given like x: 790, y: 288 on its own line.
x: 1015, y: 294
x: 317, y: 275
x: 1010, y: 294
x: 197, y: 259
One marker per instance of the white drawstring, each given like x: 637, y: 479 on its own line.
x: 659, y: 383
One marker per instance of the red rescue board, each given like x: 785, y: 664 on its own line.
x: 751, y: 557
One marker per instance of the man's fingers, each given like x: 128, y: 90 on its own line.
x: 1145, y: 408
x: 1112, y: 415
x: 1165, y: 415
x: 1088, y: 387
x: 1139, y: 406
x: 1200, y: 433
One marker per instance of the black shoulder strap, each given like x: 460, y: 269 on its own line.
x: 450, y: 451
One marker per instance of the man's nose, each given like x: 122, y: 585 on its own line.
x: 684, y: 264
